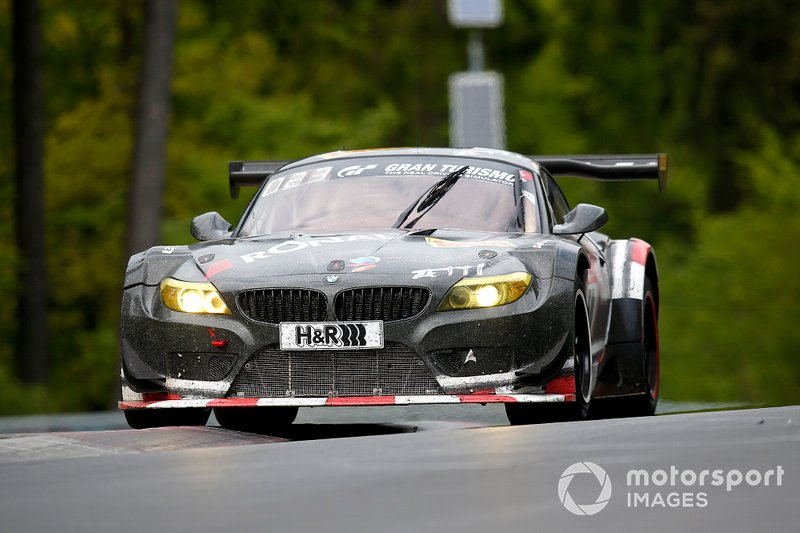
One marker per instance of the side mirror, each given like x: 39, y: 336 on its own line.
x: 583, y: 219
x: 210, y: 226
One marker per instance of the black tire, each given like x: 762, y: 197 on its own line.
x: 522, y: 413
x: 644, y: 404
x: 582, y: 340
x: 255, y: 419
x: 156, y: 418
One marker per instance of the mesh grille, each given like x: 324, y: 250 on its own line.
x: 393, y: 370
x: 283, y: 305
x: 380, y: 303
x: 219, y: 366
x: 451, y: 361
x: 199, y: 366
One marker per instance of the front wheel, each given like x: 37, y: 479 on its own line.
x: 255, y: 419
x: 155, y: 418
x: 583, y: 357
x: 521, y: 413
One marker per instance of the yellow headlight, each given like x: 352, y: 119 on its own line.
x: 191, y: 300
x: 474, y: 293
x: 190, y: 297
x: 487, y: 296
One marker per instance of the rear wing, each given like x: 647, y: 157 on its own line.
x: 608, y: 167
x: 251, y: 173
x: 599, y: 167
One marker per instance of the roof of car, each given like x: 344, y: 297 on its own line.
x: 488, y: 154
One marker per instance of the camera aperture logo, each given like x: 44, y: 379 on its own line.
x: 586, y: 509
x: 662, y: 488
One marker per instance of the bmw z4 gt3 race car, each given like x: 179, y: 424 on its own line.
x: 395, y: 277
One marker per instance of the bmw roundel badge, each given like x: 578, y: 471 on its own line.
x: 331, y: 279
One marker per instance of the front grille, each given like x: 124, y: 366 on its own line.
x: 283, y: 305
x: 380, y: 303
x: 393, y: 370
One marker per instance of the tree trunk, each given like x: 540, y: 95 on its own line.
x: 31, y: 341
x: 150, y: 151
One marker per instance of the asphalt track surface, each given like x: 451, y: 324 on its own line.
x: 440, y: 475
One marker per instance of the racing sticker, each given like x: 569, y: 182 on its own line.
x: 443, y: 243
x: 283, y: 181
x: 218, y: 267
x: 331, y: 335
x: 437, y: 169
x: 294, y: 245
x: 303, y: 177
x: 361, y: 264
x: 354, y: 170
x: 449, y: 270
x: 529, y: 196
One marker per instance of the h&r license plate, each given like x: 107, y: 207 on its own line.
x: 331, y: 335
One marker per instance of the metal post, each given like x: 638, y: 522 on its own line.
x: 475, y: 50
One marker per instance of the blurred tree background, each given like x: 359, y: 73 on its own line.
x: 715, y: 83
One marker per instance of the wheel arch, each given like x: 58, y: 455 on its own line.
x: 651, y: 272
x: 631, y: 262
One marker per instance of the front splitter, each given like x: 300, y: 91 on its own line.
x: 349, y: 401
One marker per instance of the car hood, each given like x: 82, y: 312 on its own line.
x: 396, y: 253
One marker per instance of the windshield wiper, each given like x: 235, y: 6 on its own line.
x: 425, y: 203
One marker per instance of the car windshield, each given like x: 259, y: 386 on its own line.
x: 342, y: 196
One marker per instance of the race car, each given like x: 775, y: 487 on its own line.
x: 396, y: 277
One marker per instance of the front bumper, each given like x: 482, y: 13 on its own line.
x: 517, y: 348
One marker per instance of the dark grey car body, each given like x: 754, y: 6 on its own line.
x: 519, y: 352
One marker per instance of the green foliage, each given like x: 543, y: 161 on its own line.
x: 714, y: 83
x: 7, y: 247
x: 730, y: 309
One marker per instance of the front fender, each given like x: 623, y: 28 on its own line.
x: 568, y: 260
x: 153, y: 265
